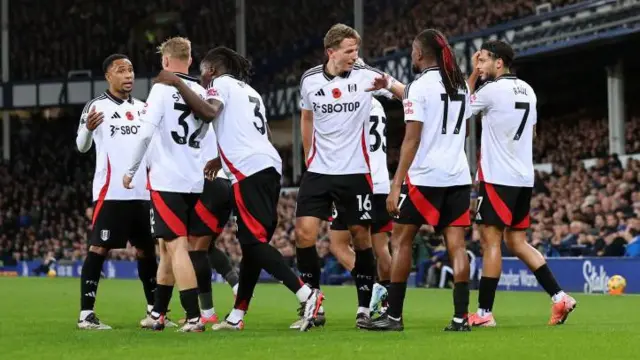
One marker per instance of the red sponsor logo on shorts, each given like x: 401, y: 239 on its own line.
x: 212, y: 92
x: 336, y: 93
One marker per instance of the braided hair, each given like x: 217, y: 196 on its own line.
x: 231, y: 62
x: 433, y: 42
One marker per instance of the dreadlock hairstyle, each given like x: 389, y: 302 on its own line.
x: 433, y: 42
x: 233, y: 63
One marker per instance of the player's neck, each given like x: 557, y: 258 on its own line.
x: 502, y: 72
x: 427, y: 65
x: 332, y: 69
x: 119, y: 94
x: 178, y: 69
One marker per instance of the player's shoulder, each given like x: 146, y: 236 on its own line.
x: 136, y: 101
x: 366, y: 68
x: 312, y: 74
x: 96, y: 101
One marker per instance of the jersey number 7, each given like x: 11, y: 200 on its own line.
x: 526, y: 107
x: 182, y: 139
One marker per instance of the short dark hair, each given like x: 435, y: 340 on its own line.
x: 500, y: 50
x: 110, y: 59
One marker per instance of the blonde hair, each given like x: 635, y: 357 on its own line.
x: 176, y: 47
x: 339, y: 32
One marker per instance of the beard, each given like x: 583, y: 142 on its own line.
x: 415, y: 69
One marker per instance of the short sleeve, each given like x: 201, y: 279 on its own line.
x: 218, y: 91
x: 153, y: 110
x: 305, y: 103
x: 413, y: 103
x: 480, y: 100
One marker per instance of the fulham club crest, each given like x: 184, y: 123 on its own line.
x: 104, y: 235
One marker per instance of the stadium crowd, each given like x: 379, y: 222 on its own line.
x: 280, y: 53
x: 45, y: 198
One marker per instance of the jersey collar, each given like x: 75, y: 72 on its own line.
x: 330, y: 77
x: 506, y: 76
x: 116, y: 99
x: 428, y: 69
x: 186, y: 77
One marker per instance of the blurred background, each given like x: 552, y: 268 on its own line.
x: 579, y: 56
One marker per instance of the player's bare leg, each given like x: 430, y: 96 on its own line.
x: 401, y: 242
x: 340, y: 247
x: 308, y: 261
x: 456, y: 247
x: 198, y: 252
x: 491, y: 241
x: 157, y: 319
x: 383, y: 262
x: 147, y: 271
x: 563, y: 304
x: 185, y: 277
x: 89, y: 279
x: 363, y: 271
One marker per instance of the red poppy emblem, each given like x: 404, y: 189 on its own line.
x: 129, y: 115
x: 336, y: 93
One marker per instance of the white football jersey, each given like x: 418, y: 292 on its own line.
x: 341, y: 109
x: 174, y: 155
x: 378, y: 148
x: 209, y: 151
x: 115, y: 141
x: 508, y: 108
x: 241, y: 129
x: 440, y: 160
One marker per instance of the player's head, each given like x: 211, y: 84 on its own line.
x: 495, y: 59
x: 176, y: 54
x: 431, y: 47
x: 118, y: 70
x: 222, y: 60
x: 341, y: 44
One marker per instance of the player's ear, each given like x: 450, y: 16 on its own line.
x: 190, y: 60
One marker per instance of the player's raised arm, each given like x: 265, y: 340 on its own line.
x: 206, y: 110
x: 475, y: 73
x: 89, y: 121
x: 387, y: 82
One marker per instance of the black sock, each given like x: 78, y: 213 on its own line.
x: 363, y: 273
x: 309, y: 265
x: 222, y: 265
x: 487, y: 294
x: 89, y: 279
x: 249, y: 274
x: 147, y: 270
x: 385, y: 283
x: 547, y: 280
x: 397, y: 291
x: 189, y: 301
x: 461, y: 299
x: 202, y: 268
x: 162, y: 299
x: 272, y: 261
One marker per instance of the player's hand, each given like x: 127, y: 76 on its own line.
x: 167, y: 78
x: 94, y: 119
x: 381, y: 82
x: 392, y: 201
x: 126, y: 181
x: 211, y: 168
x: 474, y: 60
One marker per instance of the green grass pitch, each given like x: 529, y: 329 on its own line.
x: 38, y: 315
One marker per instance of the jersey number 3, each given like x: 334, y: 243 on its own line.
x: 182, y: 139
x: 262, y: 129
